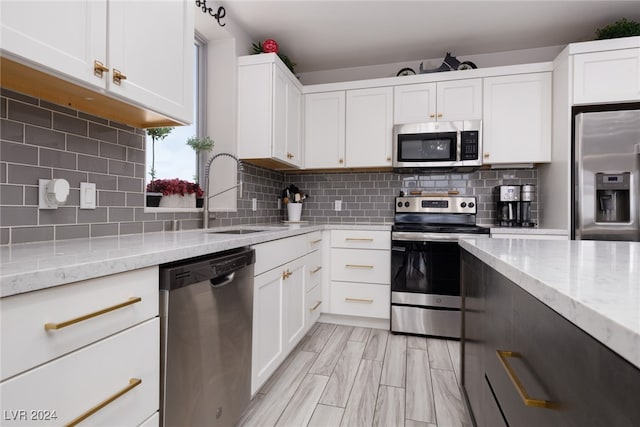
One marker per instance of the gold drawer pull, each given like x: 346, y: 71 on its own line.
x: 359, y: 239
x: 366, y: 301
x: 315, y: 270
x: 313, y: 242
x: 133, y: 382
x: 54, y: 326
x: 369, y: 267
x: 528, y: 401
x: 315, y: 306
x: 99, y: 69
x: 286, y: 274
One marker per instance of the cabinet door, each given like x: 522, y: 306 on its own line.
x: 612, y: 76
x: 459, y: 100
x: 40, y: 33
x: 293, y: 292
x: 293, y: 153
x: 414, y: 103
x: 369, y: 127
x: 279, y: 119
x: 324, y: 130
x: 517, y: 119
x: 153, y: 47
x: 255, y: 111
x: 268, y: 348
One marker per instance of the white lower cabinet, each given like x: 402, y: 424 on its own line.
x: 86, y: 351
x: 76, y: 386
x: 281, y: 299
x: 360, y: 273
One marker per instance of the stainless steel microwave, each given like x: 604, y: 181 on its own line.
x: 438, y: 144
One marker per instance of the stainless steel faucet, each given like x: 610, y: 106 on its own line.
x: 207, y: 196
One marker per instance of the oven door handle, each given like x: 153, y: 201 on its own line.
x: 432, y: 237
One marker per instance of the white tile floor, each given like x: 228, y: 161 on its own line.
x: 348, y: 376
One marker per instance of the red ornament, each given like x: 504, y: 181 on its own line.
x: 269, y: 46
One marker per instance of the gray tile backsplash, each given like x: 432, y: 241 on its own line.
x: 43, y: 140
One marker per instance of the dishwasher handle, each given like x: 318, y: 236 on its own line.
x: 218, y: 282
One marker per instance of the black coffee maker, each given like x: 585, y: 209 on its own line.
x: 508, y: 205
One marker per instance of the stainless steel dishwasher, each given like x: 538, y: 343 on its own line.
x: 206, y: 313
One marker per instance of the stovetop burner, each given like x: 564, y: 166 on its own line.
x: 437, y: 214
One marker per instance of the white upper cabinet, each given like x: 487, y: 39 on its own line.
x: 114, y: 46
x: 369, y: 127
x: 324, y: 130
x: 517, y: 119
x: 441, y: 101
x: 610, y: 76
x: 269, y: 111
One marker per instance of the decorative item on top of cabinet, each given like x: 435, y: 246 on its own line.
x: 110, y: 48
x: 269, y: 112
x: 442, y: 101
x: 517, y: 119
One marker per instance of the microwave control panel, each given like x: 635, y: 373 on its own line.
x: 469, y: 145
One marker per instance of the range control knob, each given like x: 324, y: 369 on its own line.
x: 463, y: 205
x: 407, y: 204
x: 471, y: 204
x: 399, y: 204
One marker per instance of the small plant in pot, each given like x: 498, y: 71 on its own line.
x: 199, y: 145
x: 176, y: 193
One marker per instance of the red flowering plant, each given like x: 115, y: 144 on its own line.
x: 174, y: 186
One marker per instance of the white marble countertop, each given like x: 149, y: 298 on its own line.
x: 529, y: 230
x: 593, y: 284
x: 39, y: 265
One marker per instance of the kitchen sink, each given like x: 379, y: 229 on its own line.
x: 236, y: 231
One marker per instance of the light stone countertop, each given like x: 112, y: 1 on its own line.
x: 593, y: 284
x: 529, y: 230
x: 39, y: 265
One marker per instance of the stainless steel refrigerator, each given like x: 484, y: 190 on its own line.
x: 606, y: 173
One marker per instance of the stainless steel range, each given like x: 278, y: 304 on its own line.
x: 425, y: 262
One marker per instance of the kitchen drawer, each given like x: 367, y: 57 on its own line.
x: 25, y: 341
x: 359, y: 299
x: 314, y: 240
x: 73, y: 384
x: 152, y: 421
x: 314, y: 269
x: 355, y: 265
x: 361, y: 239
x: 278, y: 252
x: 313, y: 305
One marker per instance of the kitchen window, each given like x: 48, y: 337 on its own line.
x: 171, y: 157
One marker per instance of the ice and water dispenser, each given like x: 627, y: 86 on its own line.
x: 613, y: 198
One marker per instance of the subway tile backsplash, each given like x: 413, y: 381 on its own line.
x: 43, y: 140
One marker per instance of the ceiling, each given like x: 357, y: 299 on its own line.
x: 325, y: 35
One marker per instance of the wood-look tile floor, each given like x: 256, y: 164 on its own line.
x: 349, y: 376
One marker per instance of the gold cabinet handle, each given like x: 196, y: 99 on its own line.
x: 290, y: 155
x: 312, y: 309
x: 286, y: 274
x: 366, y: 301
x: 432, y: 115
x: 528, y: 401
x: 486, y: 155
x: 388, y: 159
x: 118, y: 77
x: 55, y: 326
x: 341, y: 161
x: 369, y: 267
x: 358, y: 239
x: 99, y: 69
x: 133, y: 383
x: 313, y: 242
x: 440, y: 115
x: 315, y: 270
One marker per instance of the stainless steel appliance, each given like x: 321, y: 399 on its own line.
x: 508, y: 205
x: 452, y: 145
x: 527, y: 197
x: 606, y: 172
x: 206, y: 315
x: 425, y: 262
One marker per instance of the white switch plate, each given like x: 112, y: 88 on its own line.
x: 337, y: 205
x: 254, y: 204
x: 87, y: 195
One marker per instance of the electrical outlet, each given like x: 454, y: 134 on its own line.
x: 254, y: 204
x: 279, y: 200
x: 337, y: 205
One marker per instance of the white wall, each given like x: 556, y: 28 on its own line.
x: 514, y: 57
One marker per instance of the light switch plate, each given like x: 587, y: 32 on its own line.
x: 87, y: 195
x: 254, y: 204
x: 338, y: 205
